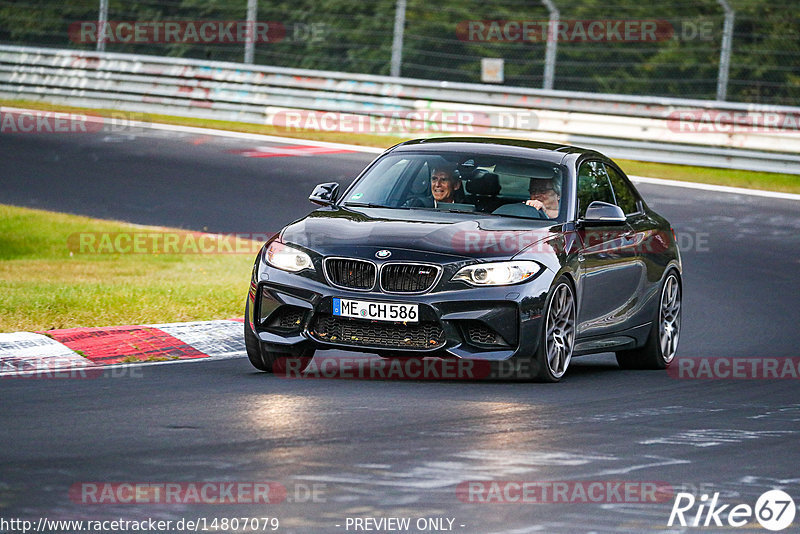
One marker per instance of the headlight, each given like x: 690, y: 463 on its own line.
x: 498, y: 274
x: 287, y: 258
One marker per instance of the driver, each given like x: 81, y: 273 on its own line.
x: 545, y: 196
x: 445, y: 186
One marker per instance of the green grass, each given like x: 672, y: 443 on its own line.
x: 768, y: 181
x: 753, y: 180
x: 45, y: 285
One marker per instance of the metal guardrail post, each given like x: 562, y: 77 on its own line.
x: 552, y: 44
x: 397, y: 40
x: 250, y: 41
x: 102, y: 20
x: 725, y: 52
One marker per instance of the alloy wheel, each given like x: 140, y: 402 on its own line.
x: 560, y: 330
x: 670, y: 318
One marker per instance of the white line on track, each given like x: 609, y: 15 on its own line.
x: 716, y: 188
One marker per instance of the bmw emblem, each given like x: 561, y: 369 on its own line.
x: 383, y: 254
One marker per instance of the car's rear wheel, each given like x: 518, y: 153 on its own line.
x: 271, y: 361
x: 662, y: 341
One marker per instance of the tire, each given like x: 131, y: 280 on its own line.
x: 251, y: 343
x: 556, y: 339
x: 271, y: 361
x: 276, y: 362
x: 659, y: 350
x: 558, y: 332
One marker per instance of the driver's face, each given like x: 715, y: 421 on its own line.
x: 443, y: 186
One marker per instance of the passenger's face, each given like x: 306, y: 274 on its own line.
x: 545, y: 194
x: 444, y: 186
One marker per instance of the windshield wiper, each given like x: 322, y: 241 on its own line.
x: 523, y: 217
x: 370, y: 205
x: 456, y: 210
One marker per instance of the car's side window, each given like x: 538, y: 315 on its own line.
x: 626, y: 198
x: 593, y: 184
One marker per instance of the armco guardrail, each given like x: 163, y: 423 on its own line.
x: 692, y: 132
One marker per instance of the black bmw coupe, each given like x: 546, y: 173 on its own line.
x: 504, y: 251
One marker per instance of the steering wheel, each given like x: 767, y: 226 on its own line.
x: 541, y: 214
x: 418, y: 201
x: 520, y: 209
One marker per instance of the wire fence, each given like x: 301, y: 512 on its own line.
x: 671, y: 48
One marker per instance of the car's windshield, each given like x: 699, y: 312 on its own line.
x: 496, y: 185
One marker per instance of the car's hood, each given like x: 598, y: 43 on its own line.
x: 364, y: 231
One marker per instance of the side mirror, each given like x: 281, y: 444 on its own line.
x: 325, y: 194
x: 602, y: 213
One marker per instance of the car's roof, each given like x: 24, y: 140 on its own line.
x: 552, y: 152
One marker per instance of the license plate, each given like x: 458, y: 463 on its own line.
x: 376, y: 311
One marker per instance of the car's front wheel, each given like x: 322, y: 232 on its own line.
x: 558, y: 333
x: 662, y: 342
x: 557, y: 337
x: 251, y: 342
x: 271, y: 361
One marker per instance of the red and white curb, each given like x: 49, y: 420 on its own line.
x: 77, y: 349
x: 288, y: 151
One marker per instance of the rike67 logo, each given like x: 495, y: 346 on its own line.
x: 774, y: 510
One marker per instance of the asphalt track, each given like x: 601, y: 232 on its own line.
x: 401, y: 448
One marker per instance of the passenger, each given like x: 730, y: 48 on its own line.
x: 545, y: 196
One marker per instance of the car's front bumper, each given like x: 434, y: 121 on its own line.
x: 291, y: 313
